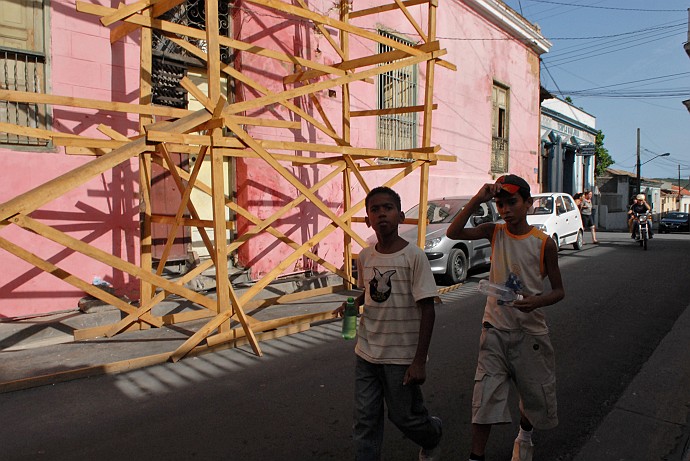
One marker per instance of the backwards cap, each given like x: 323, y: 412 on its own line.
x: 512, y: 183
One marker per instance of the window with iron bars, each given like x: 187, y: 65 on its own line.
x: 22, y: 70
x: 171, y: 62
x: 499, y: 129
x: 396, y: 88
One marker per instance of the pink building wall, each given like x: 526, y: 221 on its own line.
x: 103, y: 212
x: 461, y: 125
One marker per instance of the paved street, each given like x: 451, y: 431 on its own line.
x: 296, y: 402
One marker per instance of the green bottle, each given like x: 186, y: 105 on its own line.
x: 350, y: 319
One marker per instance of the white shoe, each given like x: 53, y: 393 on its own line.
x: 522, y: 451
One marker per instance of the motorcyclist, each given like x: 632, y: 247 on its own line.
x: 640, y: 206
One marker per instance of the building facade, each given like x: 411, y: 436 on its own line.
x: 568, y: 135
x: 488, y: 116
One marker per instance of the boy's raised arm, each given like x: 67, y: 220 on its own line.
x: 457, y: 229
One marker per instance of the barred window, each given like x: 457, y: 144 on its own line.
x: 397, y: 88
x: 171, y: 62
x: 22, y: 67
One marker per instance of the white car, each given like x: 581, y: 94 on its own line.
x: 556, y: 214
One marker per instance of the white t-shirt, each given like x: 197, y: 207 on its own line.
x: 389, y: 326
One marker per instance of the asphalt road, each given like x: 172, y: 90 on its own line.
x: 295, y: 403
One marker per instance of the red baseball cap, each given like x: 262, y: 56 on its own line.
x: 512, y: 184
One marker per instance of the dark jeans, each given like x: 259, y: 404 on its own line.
x: 375, y: 384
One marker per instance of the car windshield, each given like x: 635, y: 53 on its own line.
x: 542, y: 205
x: 677, y: 216
x: 439, y: 211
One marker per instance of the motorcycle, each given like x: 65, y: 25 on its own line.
x: 643, y: 223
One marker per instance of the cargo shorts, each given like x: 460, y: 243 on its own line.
x: 508, y: 358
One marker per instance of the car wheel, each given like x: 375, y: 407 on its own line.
x: 456, y: 272
x: 578, y: 243
x: 554, y: 237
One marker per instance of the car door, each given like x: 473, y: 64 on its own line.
x: 480, y: 250
x: 570, y: 218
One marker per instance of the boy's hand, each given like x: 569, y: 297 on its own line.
x: 488, y: 191
x: 415, y: 374
x: 529, y: 303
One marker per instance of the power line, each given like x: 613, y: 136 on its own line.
x: 606, y: 7
x: 627, y: 83
x: 581, y: 57
x: 632, y: 32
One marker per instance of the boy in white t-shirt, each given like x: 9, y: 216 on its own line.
x: 394, y: 334
x: 514, y: 347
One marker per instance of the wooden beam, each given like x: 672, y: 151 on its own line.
x: 384, y: 8
x: 315, y: 200
x: 100, y: 255
x: 411, y: 20
x: 326, y: 84
x: 76, y: 282
x: 69, y: 101
x: 391, y: 111
x: 240, y: 77
x: 307, y: 14
x: 200, y: 34
x: 365, y: 61
x: 125, y: 10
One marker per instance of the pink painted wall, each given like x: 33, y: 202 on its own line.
x: 105, y: 210
x: 462, y: 123
x: 102, y: 212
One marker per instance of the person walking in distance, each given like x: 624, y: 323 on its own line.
x: 514, y: 348
x: 394, y: 334
x: 586, y: 209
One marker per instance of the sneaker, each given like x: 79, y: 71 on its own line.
x: 432, y: 454
x: 522, y: 451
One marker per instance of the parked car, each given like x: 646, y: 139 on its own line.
x: 556, y: 214
x: 675, y: 221
x: 450, y: 259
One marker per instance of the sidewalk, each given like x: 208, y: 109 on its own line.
x: 645, y: 424
x: 41, y: 350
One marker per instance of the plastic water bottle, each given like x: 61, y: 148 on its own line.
x: 350, y: 319
x: 500, y: 292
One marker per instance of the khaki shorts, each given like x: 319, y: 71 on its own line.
x: 524, y: 360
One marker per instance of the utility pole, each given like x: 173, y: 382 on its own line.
x: 638, y: 162
x: 678, y: 207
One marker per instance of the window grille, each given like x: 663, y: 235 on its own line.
x: 499, y: 128
x: 397, y: 88
x: 22, y: 71
x: 171, y: 62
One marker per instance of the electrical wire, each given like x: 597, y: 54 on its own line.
x: 606, y: 7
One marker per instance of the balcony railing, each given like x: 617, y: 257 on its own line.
x: 22, y: 71
x: 499, y: 155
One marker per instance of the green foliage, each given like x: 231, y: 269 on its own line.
x: 603, y: 159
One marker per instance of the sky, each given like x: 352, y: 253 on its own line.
x: 623, y: 62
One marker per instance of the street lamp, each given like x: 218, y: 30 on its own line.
x: 665, y: 154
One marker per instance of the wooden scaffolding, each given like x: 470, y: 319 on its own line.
x: 217, y: 131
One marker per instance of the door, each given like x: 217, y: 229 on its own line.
x: 202, y: 201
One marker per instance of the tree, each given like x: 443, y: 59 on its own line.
x: 603, y: 159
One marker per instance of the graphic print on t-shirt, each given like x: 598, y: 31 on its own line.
x: 514, y: 283
x: 380, y: 285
